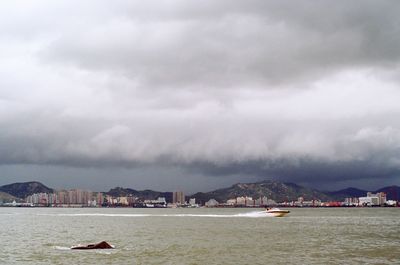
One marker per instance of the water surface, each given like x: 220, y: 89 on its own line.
x: 200, y: 236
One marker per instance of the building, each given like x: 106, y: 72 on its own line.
x: 99, y: 199
x: 262, y: 201
x: 159, y: 203
x: 244, y: 201
x: 192, y: 203
x: 178, y: 197
x: 373, y: 199
x: 351, y: 201
x: 212, y: 203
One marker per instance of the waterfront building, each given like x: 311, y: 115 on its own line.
x: 160, y: 202
x: 270, y: 202
x: 72, y: 199
x: 192, y: 203
x: 178, y: 197
x: 391, y: 203
x: 86, y: 197
x: 231, y: 202
x: 41, y: 199
x: 63, y: 197
x: 241, y: 201
x: 99, y: 199
x: 245, y: 201
x: 212, y: 203
x: 122, y: 201
x: 377, y: 199
x: 60, y: 198
x: 131, y: 200
x: 351, y: 201
x: 261, y: 201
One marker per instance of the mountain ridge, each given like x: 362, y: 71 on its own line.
x: 24, y: 189
x: 274, y: 190
x: 142, y: 194
x: 278, y: 191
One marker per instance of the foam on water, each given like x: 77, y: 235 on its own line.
x: 255, y: 214
x: 61, y: 248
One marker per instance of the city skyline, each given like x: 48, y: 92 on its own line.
x: 195, y: 96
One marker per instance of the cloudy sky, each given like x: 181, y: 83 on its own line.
x: 198, y: 95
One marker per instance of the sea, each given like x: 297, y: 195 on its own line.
x: 200, y: 236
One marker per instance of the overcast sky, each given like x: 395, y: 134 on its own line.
x: 198, y: 95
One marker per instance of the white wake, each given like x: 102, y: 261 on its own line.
x: 254, y: 214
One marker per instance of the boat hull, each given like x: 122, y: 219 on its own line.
x: 276, y: 212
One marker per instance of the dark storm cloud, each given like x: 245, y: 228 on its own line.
x: 305, y: 92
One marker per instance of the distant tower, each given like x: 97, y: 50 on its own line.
x: 178, y: 197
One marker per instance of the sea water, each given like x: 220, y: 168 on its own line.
x: 200, y: 236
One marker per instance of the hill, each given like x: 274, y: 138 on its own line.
x: 5, y: 197
x: 392, y: 192
x: 24, y: 189
x: 351, y: 192
x: 274, y: 190
x: 143, y: 194
x: 121, y: 192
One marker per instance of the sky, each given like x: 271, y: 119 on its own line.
x: 198, y: 95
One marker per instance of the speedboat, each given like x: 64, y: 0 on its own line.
x: 276, y: 212
x: 101, y: 245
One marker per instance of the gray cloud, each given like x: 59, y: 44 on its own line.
x: 224, y: 45
x: 304, y: 92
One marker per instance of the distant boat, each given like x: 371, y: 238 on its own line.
x: 276, y: 212
x: 101, y: 245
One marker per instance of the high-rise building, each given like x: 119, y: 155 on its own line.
x: 100, y: 199
x: 178, y: 197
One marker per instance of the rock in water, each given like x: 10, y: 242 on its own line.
x: 101, y: 245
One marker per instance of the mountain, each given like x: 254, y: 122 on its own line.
x: 392, y: 192
x: 121, y: 192
x: 24, y: 189
x: 5, y: 197
x: 143, y: 194
x: 347, y: 193
x: 274, y: 190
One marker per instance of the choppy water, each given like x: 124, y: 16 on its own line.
x: 200, y: 236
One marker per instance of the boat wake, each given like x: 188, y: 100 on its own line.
x: 61, y: 248
x: 255, y: 214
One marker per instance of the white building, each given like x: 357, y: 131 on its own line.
x: 212, y: 203
x: 192, y: 202
x: 372, y: 199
